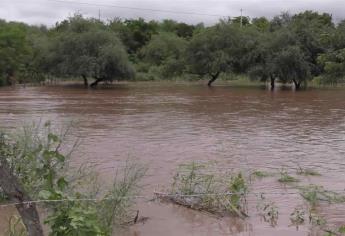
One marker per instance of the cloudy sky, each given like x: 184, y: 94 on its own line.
x: 191, y: 11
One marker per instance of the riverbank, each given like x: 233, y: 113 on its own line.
x: 232, y: 81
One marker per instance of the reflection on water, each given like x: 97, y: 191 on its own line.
x: 167, y: 125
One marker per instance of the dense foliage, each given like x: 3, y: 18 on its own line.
x: 288, y: 48
x: 75, y: 201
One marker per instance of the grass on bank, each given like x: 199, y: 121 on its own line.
x: 286, y: 178
x: 196, y: 188
x: 315, y: 194
x: 44, y: 171
x: 307, y: 172
x: 261, y: 174
x: 156, y: 75
x: 268, y: 210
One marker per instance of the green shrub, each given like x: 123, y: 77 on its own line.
x: 34, y: 155
x: 286, y: 178
x: 195, y: 187
x: 140, y: 76
x: 267, y: 210
x: 15, y: 227
x: 2, y: 81
x: 307, y: 172
x: 314, y: 194
x: 261, y: 174
x: 74, y: 219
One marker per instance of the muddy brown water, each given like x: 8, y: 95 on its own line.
x: 166, y: 125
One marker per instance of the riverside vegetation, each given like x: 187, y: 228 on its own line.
x: 33, y: 167
x: 295, y: 49
x: 201, y: 187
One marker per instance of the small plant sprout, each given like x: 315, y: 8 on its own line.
x: 335, y: 232
x: 341, y: 229
x: 314, y: 194
x: 268, y: 211
x: 297, y: 217
x: 261, y: 174
x: 286, y: 178
x: 238, y: 188
x: 307, y: 172
x: 16, y: 227
x: 316, y: 220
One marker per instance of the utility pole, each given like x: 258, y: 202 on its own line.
x: 241, y: 17
x: 99, y: 14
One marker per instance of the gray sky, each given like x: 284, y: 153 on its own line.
x: 50, y: 11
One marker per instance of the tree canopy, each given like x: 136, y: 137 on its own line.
x: 287, y: 48
x: 87, y: 49
x: 14, y: 49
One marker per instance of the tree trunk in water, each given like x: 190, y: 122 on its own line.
x: 95, y: 83
x: 213, y: 78
x: 86, y: 83
x: 14, y: 191
x: 297, y: 84
x: 272, y: 82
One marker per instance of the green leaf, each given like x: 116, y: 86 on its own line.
x: 62, y: 183
x: 44, y: 194
x: 53, y: 137
x: 47, y: 154
x: 342, y: 229
x: 60, y: 157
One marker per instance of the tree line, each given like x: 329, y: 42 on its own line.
x: 287, y: 48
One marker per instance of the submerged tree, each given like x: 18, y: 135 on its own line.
x: 88, y: 49
x: 205, y: 56
x: 291, y: 66
x: 281, y: 57
x: 215, y: 50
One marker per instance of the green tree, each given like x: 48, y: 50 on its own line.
x: 14, y: 50
x: 87, y: 48
x: 333, y: 60
x: 166, y: 50
x: 206, y: 56
x: 184, y: 30
x: 312, y: 31
x: 292, y: 66
x: 167, y: 25
x: 261, y: 23
x: 241, y: 21
x: 223, y: 48
x: 281, y: 21
x: 34, y: 69
x: 280, y: 57
x: 137, y: 34
x: 163, y: 46
x: 333, y: 64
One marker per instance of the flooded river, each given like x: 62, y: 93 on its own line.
x: 165, y: 125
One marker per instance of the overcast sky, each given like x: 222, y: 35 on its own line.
x: 207, y: 11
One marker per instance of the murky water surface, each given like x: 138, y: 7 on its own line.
x: 166, y: 125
